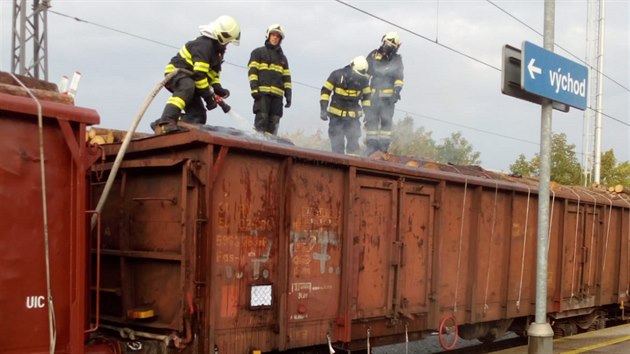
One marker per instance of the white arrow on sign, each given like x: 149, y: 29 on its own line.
x: 533, y: 69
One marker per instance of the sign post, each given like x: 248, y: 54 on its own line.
x: 540, y: 332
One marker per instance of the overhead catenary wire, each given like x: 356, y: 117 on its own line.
x: 152, y: 40
x: 419, y: 35
x: 318, y: 88
x: 475, y: 59
x: 556, y: 44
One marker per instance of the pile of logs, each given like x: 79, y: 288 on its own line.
x: 619, y: 188
x: 102, y: 136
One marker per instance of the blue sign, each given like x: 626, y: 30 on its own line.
x: 552, y: 76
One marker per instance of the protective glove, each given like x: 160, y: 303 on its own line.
x: 323, y: 115
x: 222, y: 92
x: 396, y: 96
x: 288, y: 102
x: 255, y: 95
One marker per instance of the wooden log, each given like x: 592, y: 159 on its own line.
x: 32, y: 83
x: 114, y: 135
x: 40, y: 94
x: 97, y: 140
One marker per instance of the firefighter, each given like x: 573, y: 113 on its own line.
x: 349, y: 86
x: 386, y: 70
x: 203, y: 57
x: 269, y: 80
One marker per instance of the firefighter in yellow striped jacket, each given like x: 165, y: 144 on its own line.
x: 203, y: 57
x: 348, y: 86
x: 386, y: 70
x: 270, y: 81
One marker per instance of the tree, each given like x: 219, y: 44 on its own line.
x: 521, y: 167
x: 611, y: 173
x: 408, y: 141
x: 457, y: 150
x: 565, y: 168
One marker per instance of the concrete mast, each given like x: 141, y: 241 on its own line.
x: 591, y: 139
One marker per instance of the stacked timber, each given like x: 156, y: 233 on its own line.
x: 618, y: 188
x: 100, y: 136
x: 43, y: 90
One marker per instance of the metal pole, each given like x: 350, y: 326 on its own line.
x: 599, y: 105
x: 540, y: 332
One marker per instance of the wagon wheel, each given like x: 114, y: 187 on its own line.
x: 448, y: 333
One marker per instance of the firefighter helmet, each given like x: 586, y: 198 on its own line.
x: 275, y: 28
x: 224, y: 29
x: 391, y: 39
x: 360, y: 66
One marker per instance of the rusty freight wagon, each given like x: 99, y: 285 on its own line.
x: 228, y: 242
x: 43, y: 242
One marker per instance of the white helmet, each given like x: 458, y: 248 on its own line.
x: 224, y: 29
x: 275, y: 28
x: 360, y: 66
x: 391, y: 39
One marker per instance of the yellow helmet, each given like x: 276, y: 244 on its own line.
x: 391, y: 39
x: 360, y: 66
x: 225, y: 29
x: 275, y: 28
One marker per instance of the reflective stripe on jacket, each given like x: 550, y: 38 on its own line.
x: 203, y: 56
x: 268, y: 71
x: 347, y: 90
x: 386, y: 72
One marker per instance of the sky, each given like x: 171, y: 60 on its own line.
x: 451, y: 49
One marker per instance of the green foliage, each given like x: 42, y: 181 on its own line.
x: 409, y: 142
x: 419, y: 144
x: 521, y: 167
x: 565, y: 168
x: 613, y: 174
x: 457, y: 150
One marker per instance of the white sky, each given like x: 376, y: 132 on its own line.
x: 444, y: 91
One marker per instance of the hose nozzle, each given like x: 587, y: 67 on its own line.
x: 224, y: 106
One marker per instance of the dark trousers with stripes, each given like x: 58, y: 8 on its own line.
x: 344, y: 134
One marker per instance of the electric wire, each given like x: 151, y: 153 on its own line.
x: 478, y: 60
x: 419, y: 35
x: 467, y: 127
x: 556, y: 44
x: 154, y: 41
x: 318, y: 88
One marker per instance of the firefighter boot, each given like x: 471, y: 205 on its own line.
x: 168, y: 122
x: 164, y: 126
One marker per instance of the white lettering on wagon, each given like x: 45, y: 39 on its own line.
x: 35, y: 302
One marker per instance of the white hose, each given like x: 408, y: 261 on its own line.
x: 125, y: 144
x: 52, y: 325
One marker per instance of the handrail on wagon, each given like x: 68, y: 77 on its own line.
x: 98, y: 272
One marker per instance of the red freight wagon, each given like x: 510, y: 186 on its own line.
x: 39, y: 263
x: 226, y: 241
